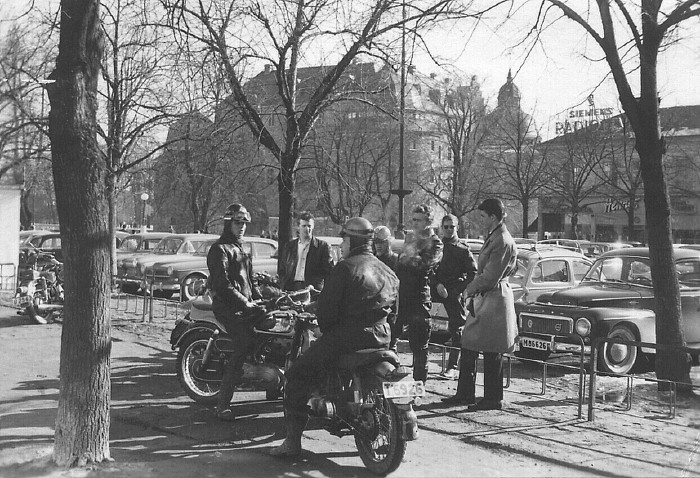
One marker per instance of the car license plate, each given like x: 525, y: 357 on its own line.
x: 23, y: 301
x: 537, y: 344
x: 405, y: 388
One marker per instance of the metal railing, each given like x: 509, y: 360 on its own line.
x: 8, y: 276
x: 145, y: 303
x: 597, y: 343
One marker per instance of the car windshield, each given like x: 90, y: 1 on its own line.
x: 203, y: 248
x: 169, y: 245
x: 637, y: 270
x: 519, y: 277
x: 130, y: 244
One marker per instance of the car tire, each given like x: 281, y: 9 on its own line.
x: 619, y: 358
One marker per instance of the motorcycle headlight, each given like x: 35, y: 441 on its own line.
x: 583, y: 327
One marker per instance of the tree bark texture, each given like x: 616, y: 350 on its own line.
x: 82, y: 423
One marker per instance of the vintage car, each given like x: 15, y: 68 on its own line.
x: 139, y: 243
x: 131, y: 269
x: 542, y: 270
x: 186, y: 274
x: 615, y: 299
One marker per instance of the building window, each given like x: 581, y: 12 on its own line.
x: 439, y: 152
x: 432, y: 145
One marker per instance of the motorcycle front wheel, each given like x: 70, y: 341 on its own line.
x: 380, y: 441
x: 191, y: 351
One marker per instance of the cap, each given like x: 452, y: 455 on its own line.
x: 382, y: 233
x: 237, y: 212
x: 357, y: 227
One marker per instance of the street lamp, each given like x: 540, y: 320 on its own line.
x: 144, y: 198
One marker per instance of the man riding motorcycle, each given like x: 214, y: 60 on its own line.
x: 230, y: 271
x: 354, y: 310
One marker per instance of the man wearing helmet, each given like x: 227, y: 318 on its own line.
x: 354, y: 310
x: 230, y: 271
x: 421, y: 253
x: 382, y: 247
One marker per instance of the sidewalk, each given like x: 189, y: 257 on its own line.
x: 157, y: 431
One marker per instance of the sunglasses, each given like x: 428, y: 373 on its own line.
x: 417, y: 219
x: 448, y: 227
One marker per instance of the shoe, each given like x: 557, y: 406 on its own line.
x: 450, y: 374
x: 286, y: 450
x: 226, y: 415
x: 484, y: 404
x: 458, y: 400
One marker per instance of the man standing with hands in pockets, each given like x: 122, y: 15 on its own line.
x: 457, y: 269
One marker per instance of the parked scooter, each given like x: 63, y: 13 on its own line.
x: 204, y: 347
x: 40, y: 292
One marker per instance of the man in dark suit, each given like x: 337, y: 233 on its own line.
x: 307, y: 259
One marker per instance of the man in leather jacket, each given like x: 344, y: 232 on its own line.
x: 453, y: 274
x: 382, y: 247
x: 230, y: 271
x: 354, y: 311
x: 421, y: 253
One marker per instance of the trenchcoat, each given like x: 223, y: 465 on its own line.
x: 494, y: 327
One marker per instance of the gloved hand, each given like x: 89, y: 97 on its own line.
x: 441, y: 291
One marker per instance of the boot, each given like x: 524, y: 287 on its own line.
x: 291, y: 446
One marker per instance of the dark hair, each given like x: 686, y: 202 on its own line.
x: 305, y: 216
x: 426, y: 210
x: 450, y: 216
x: 493, y: 207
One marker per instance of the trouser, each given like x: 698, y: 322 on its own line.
x: 456, y: 314
x: 416, y: 314
x: 243, y: 338
x: 493, y: 375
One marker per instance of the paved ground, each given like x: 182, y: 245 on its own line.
x: 157, y: 431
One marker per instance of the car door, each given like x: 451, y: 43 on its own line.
x: 688, y: 275
x: 264, y: 258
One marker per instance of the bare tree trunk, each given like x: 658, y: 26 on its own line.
x: 286, y: 185
x: 526, y: 216
x: 82, y: 423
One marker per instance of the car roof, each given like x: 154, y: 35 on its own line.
x: 543, y: 251
x: 191, y: 235
x: 149, y: 235
x: 678, y: 253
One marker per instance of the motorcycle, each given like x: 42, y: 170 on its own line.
x: 369, y: 396
x: 40, y: 292
x: 204, y: 346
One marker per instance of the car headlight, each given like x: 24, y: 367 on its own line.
x: 169, y: 271
x: 142, y: 268
x: 583, y: 327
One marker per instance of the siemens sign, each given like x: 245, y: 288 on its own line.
x: 579, y: 119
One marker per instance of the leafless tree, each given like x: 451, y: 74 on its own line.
x: 245, y: 35
x: 631, y: 35
x: 520, y: 163
x: 457, y: 182
x: 80, y: 175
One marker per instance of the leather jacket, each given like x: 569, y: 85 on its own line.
x: 318, y: 263
x: 230, y: 270
x: 417, y: 262
x: 359, y: 300
x: 457, y: 268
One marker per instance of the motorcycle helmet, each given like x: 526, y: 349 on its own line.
x: 382, y: 233
x: 357, y: 227
x: 237, y: 212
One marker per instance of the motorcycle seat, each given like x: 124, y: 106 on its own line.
x: 360, y: 358
x: 202, y: 302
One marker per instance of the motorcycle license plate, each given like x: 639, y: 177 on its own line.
x: 405, y: 388
x: 22, y: 302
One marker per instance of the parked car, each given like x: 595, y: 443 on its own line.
x: 594, y: 249
x: 132, y: 268
x: 615, y: 299
x: 139, y: 243
x: 44, y: 242
x: 540, y: 271
x: 571, y: 244
x: 186, y: 274
x: 524, y: 242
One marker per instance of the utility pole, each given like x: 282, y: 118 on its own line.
x: 401, y: 192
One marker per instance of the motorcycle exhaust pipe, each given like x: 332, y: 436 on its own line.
x: 49, y: 307
x: 206, y: 356
x: 321, y: 407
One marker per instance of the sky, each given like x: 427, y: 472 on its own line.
x: 558, y: 77
x: 553, y: 79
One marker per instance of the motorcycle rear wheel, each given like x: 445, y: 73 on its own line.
x: 36, y: 315
x: 383, y: 453
x: 192, y: 349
